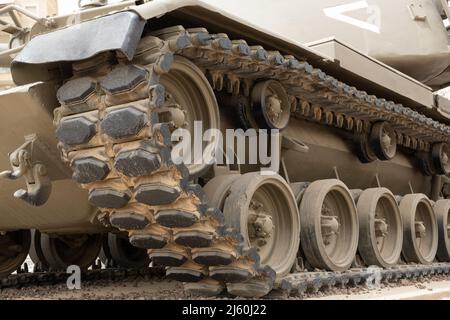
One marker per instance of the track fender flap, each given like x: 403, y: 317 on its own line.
x: 120, y: 31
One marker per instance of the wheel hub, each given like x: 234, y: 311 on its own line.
x: 444, y: 158
x: 421, y: 230
x: 386, y: 140
x: 260, y: 224
x: 330, y: 227
x: 381, y: 228
x: 274, y: 108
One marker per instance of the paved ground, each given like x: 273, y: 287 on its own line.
x: 436, y: 290
x: 149, y: 289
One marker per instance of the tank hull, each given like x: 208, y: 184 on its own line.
x: 28, y: 110
x: 332, y: 155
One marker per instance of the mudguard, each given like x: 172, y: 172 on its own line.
x: 120, y: 31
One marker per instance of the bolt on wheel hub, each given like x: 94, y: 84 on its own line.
x: 421, y: 229
x: 260, y: 225
x: 330, y: 227
x: 381, y: 228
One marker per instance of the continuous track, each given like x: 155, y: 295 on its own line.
x: 112, y: 132
x: 52, y: 278
x: 295, y: 284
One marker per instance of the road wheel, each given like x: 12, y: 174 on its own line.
x: 66, y: 250
x: 380, y: 227
x: 420, y: 229
x: 265, y: 212
x: 442, y: 210
x: 329, y: 236
x: 116, y: 248
x: 14, y: 248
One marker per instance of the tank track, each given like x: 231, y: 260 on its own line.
x: 25, y: 279
x: 313, y: 282
x: 111, y: 136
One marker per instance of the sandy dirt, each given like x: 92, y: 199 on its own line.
x: 436, y: 288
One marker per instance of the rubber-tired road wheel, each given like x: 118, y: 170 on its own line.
x: 36, y: 254
x: 420, y: 229
x: 442, y: 210
x: 263, y: 209
x: 66, y: 250
x: 14, y: 248
x: 118, y: 249
x: 380, y: 227
x: 329, y: 236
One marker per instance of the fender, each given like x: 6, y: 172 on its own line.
x: 43, y: 55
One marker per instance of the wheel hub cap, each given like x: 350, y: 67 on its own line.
x: 420, y: 229
x: 330, y: 227
x: 260, y: 224
x: 381, y: 228
x: 444, y: 158
x: 386, y: 140
x: 274, y: 107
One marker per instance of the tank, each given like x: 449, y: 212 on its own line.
x: 239, y: 148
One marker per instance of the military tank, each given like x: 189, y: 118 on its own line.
x: 361, y: 176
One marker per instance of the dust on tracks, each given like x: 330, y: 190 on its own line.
x: 164, y: 289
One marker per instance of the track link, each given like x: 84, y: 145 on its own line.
x: 51, y: 278
x: 110, y: 133
x: 313, y: 282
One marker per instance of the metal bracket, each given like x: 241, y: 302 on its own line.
x: 38, y: 184
x: 417, y: 11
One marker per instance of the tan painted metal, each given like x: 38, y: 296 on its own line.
x: 236, y: 18
x: 29, y: 110
x: 427, y: 54
x: 332, y: 156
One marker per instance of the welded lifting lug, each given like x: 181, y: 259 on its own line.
x: 38, y: 184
